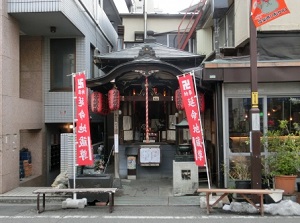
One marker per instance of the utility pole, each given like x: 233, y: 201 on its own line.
x: 116, y: 144
x: 254, y: 111
x: 145, y: 20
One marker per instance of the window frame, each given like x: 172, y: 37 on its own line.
x: 53, y: 76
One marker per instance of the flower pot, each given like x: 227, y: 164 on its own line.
x: 243, y: 184
x: 286, y: 183
x: 274, y: 197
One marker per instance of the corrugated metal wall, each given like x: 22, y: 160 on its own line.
x: 16, y: 6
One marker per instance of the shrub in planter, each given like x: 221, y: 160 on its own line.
x: 239, y: 172
x: 284, y: 152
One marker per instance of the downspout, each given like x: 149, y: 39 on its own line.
x: 220, y: 135
x: 217, y: 38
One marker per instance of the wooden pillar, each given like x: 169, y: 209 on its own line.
x: 116, y: 143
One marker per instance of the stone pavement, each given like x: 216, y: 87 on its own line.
x: 131, y: 192
x: 152, y: 192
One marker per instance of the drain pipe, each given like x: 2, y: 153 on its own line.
x: 216, y: 38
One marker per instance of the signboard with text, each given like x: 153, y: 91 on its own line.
x: 264, y: 11
x: 191, y: 105
x: 83, y: 138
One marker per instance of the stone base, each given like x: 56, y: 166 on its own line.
x: 131, y: 177
x: 212, y: 199
x: 185, y: 178
x: 71, y: 203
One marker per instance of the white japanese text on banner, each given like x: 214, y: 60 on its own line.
x: 191, y: 105
x: 83, y: 138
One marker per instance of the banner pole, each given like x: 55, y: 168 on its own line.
x: 206, y: 164
x: 74, y: 146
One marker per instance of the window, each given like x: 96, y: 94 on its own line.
x: 283, y: 108
x: 226, y: 30
x: 222, y: 33
x: 230, y: 28
x: 171, y: 40
x: 62, y: 62
x: 272, y: 109
x: 278, y: 108
x: 239, y: 123
x: 139, y: 36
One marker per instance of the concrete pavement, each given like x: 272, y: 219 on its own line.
x: 131, y: 192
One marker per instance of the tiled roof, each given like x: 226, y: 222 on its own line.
x: 161, y: 52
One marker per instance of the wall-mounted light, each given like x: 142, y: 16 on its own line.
x: 71, y: 126
x: 52, y: 29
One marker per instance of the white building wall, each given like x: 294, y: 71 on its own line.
x: 204, y: 41
x: 20, y: 118
x: 58, y: 105
x: 9, y: 98
x: 136, y: 23
x: 241, y: 21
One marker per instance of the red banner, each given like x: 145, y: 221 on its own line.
x: 191, y: 105
x: 83, y: 138
x: 264, y: 11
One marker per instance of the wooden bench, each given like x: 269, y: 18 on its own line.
x: 110, y: 191
x: 243, y: 192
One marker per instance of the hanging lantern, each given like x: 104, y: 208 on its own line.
x: 178, y: 100
x: 99, y: 103
x: 95, y: 102
x: 114, y: 99
x: 201, y: 100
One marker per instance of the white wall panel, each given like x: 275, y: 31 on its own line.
x: 241, y: 21
x: 204, y: 41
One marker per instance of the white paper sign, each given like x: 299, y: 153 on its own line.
x: 149, y: 155
x: 255, y: 122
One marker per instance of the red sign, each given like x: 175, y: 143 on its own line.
x: 83, y: 138
x: 264, y: 11
x: 191, y: 105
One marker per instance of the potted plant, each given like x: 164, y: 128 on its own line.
x: 284, y: 156
x: 239, y: 175
x: 239, y: 172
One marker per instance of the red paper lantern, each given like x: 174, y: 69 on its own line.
x: 114, y: 99
x: 178, y: 100
x: 201, y: 100
x: 99, y: 103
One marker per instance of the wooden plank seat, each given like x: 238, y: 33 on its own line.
x: 243, y: 192
x: 111, y: 192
